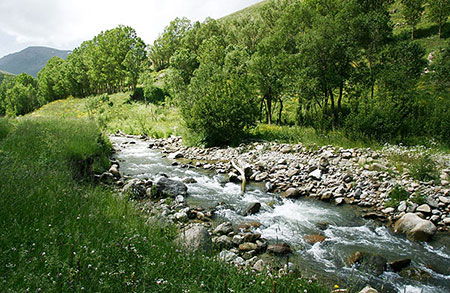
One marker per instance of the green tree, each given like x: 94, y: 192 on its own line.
x: 20, y: 95
x: 438, y: 12
x: 412, y: 12
x: 219, y: 105
x: 51, y: 81
x: 168, y: 42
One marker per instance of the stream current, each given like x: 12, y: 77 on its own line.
x: 289, y: 220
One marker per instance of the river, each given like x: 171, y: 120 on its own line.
x: 289, y: 220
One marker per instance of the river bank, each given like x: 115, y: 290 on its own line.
x: 315, y: 231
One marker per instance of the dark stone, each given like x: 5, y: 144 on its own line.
x: 170, y: 188
x: 252, y: 209
x: 373, y: 216
x: 400, y: 264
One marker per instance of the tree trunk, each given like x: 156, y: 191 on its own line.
x: 341, y: 90
x: 281, y: 110
x: 269, y: 110
x: 261, y: 108
x: 333, y: 109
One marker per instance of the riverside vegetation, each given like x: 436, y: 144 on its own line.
x: 59, y: 232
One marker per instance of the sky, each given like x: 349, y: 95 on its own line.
x: 65, y: 24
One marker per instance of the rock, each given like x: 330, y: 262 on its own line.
x: 260, y: 177
x: 400, y: 264
x: 402, y: 206
x: 238, y: 239
x: 286, y: 150
x: 426, y: 209
x: 326, y: 196
x: 224, y: 228
x: 259, y: 266
x: 135, y: 190
x: 181, y: 216
x: 170, y: 188
x: 444, y: 199
x: 368, y: 289
x: 195, y: 238
x: 106, y: 178
x: 378, y: 167
x: 313, y: 239
x: 446, y: 221
x: 316, y: 174
x: 247, y: 246
x: 189, y: 180
x: 432, y: 202
x: 180, y: 199
x: 292, y: 172
x: 415, y: 274
x: 269, y: 187
x: 388, y: 210
x: 227, y: 255
x: 176, y: 155
x: 355, y: 258
x: 223, y: 242
x: 233, y: 177
x: 279, y: 249
x: 290, y: 193
x: 415, y: 227
x: 115, y: 171
x: 373, y: 216
x: 252, y: 209
x: 250, y: 237
x: 339, y: 200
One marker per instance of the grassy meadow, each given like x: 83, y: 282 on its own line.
x: 59, y: 232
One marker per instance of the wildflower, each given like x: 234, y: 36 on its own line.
x: 336, y: 286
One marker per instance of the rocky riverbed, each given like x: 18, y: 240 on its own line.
x: 361, y: 177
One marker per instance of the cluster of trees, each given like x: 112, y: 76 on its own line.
x: 338, y: 59
x: 110, y: 62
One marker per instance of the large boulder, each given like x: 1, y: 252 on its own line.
x: 252, y: 209
x: 290, y: 193
x: 415, y: 227
x: 195, y: 238
x: 135, y: 189
x: 166, y: 187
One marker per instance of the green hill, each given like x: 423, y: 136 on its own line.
x: 30, y: 60
x: 246, y: 12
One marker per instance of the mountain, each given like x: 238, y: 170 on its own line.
x: 30, y: 60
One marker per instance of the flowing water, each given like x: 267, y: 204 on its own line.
x: 289, y: 220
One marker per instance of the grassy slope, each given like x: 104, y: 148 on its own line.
x: 60, y: 234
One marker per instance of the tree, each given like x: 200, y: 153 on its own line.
x: 168, y: 42
x: 412, y: 12
x: 219, y: 105
x: 51, y: 81
x: 438, y: 12
x: 20, y: 95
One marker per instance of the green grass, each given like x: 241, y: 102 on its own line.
x: 396, y: 195
x: 307, y: 136
x: 60, y: 233
x: 117, y: 112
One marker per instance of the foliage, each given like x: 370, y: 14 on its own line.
x: 424, y: 168
x: 18, y: 95
x: 438, y: 11
x: 412, y: 12
x: 219, y: 106
x: 396, y: 195
x: 168, y: 42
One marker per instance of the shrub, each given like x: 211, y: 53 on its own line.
x: 424, y: 168
x: 396, y: 195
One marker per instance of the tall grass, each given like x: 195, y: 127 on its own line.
x: 60, y: 234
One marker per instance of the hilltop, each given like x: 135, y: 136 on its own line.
x: 30, y: 60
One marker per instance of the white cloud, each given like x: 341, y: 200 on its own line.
x: 66, y: 23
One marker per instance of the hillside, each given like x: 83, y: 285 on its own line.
x: 30, y: 60
x: 248, y: 11
x: 3, y: 74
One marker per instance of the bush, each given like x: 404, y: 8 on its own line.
x: 219, y: 106
x: 396, y: 195
x: 424, y: 168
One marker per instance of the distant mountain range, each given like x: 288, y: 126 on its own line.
x: 30, y: 60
